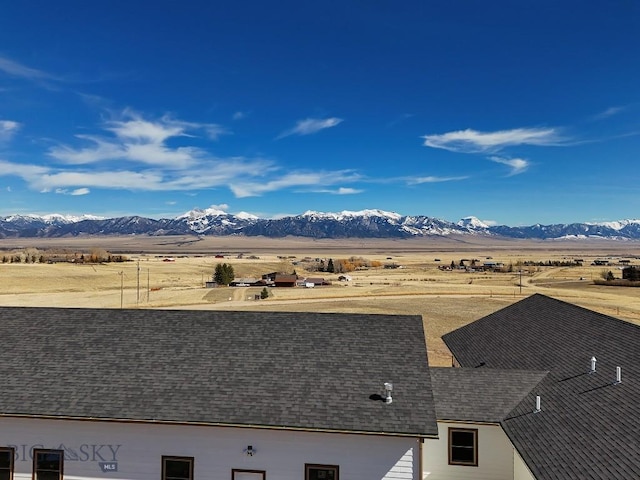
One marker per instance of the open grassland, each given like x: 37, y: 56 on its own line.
x: 445, y: 299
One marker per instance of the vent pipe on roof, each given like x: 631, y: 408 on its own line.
x: 537, y: 404
x: 388, y: 388
x: 618, y: 375
x: 593, y: 365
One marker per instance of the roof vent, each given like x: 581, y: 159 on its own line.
x: 537, y: 404
x: 618, y: 375
x: 593, y: 365
x: 388, y: 388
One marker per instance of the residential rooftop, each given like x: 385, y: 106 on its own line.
x: 588, y: 423
x: 309, y: 371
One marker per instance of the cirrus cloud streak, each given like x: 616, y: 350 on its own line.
x: 309, y: 126
x: 473, y: 141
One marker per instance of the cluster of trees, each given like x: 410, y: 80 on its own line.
x: 33, y: 255
x: 20, y: 258
x: 347, y: 265
x: 223, y: 274
x: 553, y: 263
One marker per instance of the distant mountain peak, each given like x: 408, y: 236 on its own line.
x: 202, y: 212
x: 351, y: 214
x: 472, y: 222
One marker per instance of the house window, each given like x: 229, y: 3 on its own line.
x: 463, y: 446
x: 321, y: 472
x: 6, y: 463
x: 177, y: 468
x: 47, y: 464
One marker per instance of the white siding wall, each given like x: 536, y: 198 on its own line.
x: 495, y: 455
x: 137, y: 449
x: 520, y: 469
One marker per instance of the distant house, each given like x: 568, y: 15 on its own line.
x: 312, y: 281
x: 282, y: 280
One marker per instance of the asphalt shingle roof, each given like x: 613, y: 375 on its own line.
x: 480, y: 394
x: 589, y: 427
x: 295, y: 370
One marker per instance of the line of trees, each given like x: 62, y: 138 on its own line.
x: 33, y: 255
x: 347, y: 265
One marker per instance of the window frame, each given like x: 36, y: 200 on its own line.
x: 36, y: 451
x: 176, y: 458
x: 12, y: 456
x: 474, y: 431
x: 309, y: 466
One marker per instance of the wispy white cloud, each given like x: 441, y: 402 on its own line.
x: 140, y: 154
x: 473, y: 141
x: 76, y: 192
x: 238, y: 115
x: 433, y: 179
x: 8, y: 128
x: 609, y: 112
x: 15, y: 69
x: 140, y: 140
x: 338, y: 191
x: 347, y: 191
x: 309, y: 126
x: 294, y: 179
x: 517, y: 165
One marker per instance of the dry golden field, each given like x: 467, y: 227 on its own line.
x: 445, y: 299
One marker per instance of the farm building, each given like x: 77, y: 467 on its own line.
x: 175, y: 395
x: 280, y: 279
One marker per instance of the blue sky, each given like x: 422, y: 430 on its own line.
x: 517, y: 112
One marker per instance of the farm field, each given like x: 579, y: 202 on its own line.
x: 446, y: 299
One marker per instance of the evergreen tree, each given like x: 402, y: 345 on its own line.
x: 330, y: 267
x: 223, y: 274
x: 264, y: 293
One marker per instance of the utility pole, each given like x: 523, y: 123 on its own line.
x: 520, y: 281
x: 138, y: 290
x: 121, y: 289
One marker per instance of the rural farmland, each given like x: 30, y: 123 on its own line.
x: 409, y: 277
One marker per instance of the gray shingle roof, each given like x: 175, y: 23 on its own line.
x: 480, y: 394
x: 588, y: 427
x: 296, y: 370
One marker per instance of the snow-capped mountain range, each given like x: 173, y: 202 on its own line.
x: 346, y: 224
